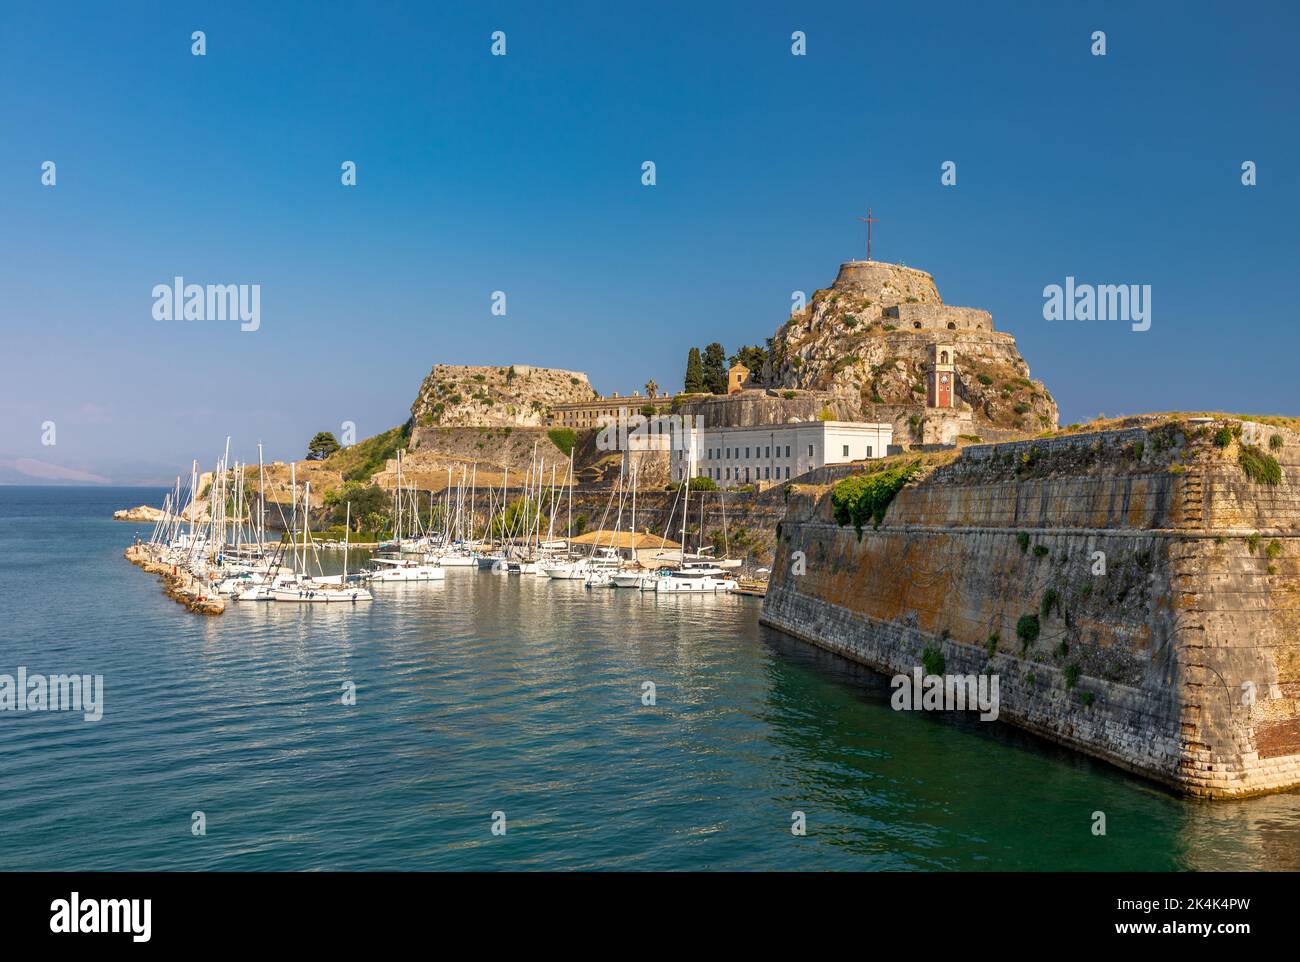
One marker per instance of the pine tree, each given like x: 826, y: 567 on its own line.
x: 715, y: 369
x: 694, y: 383
x: 321, y: 446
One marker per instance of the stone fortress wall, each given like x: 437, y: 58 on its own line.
x: 939, y: 317
x: 1179, y: 660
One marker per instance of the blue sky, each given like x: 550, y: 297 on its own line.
x: 522, y: 173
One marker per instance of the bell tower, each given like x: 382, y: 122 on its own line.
x: 943, y: 376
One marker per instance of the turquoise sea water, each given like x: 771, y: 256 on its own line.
x: 487, y: 693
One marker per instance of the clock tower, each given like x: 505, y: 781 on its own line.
x: 943, y: 376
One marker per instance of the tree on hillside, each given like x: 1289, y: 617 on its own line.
x: 715, y: 369
x: 694, y: 383
x: 651, y: 388
x: 753, y: 358
x: 322, y: 446
x: 366, y: 500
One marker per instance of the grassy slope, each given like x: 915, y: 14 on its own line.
x: 361, y: 460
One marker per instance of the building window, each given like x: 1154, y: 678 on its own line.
x: 810, y: 447
x: 746, y: 474
x: 787, y: 472
x: 767, y: 474
x: 868, y: 450
x: 787, y: 450
x: 747, y: 455
x: 768, y: 451
x: 846, y: 450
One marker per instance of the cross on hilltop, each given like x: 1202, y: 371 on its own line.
x: 870, y: 220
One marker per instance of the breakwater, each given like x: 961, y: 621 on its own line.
x: 178, y: 584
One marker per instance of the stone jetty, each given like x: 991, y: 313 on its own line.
x: 178, y: 584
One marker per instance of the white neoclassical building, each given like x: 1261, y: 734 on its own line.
x: 776, y: 452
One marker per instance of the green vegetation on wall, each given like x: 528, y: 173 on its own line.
x: 1260, y: 467
x: 864, y: 498
x: 564, y: 439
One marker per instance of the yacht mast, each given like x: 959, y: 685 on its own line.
x: 261, y: 502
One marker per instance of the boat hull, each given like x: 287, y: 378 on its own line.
x: 391, y: 577
x: 322, y: 595
x: 694, y: 585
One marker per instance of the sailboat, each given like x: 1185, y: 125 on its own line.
x: 697, y: 576
x: 320, y: 589
x: 453, y: 551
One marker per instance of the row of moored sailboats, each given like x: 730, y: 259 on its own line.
x: 229, y: 548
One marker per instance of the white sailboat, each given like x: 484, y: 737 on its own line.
x: 320, y: 589
x: 695, y: 577
x: 402, y: 569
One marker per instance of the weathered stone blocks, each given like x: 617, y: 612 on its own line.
x: 1164, y: 581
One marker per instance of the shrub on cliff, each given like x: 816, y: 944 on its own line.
x: 1027, y: 629
x: 698, y: 483
x: 932, y: 661
x: 866, y: 497
x: 1260, y: 467
x: 564, y: 439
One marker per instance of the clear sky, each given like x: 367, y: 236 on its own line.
x: 523, y: 174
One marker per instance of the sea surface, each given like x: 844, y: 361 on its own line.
x: 486, y: 693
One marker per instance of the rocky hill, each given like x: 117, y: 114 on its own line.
x: 514, y: 395
x: 866, y: 340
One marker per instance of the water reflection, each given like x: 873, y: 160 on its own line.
x: 490, y: 691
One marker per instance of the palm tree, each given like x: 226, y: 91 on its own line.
x: 651, y: 388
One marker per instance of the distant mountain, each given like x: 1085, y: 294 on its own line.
x: 31, y: 471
